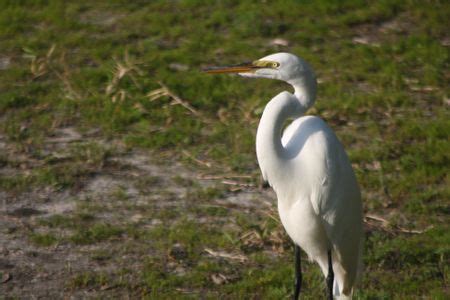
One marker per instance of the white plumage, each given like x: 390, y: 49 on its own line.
x: 318, y: 196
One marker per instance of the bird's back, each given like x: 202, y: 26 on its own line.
x: 326, y: 179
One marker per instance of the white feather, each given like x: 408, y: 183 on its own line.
x: 318, y: 196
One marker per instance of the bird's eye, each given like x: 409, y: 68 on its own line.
x: 275, y: 65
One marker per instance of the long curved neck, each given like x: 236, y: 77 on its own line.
x: 305, y: 90
x: 269, y: 149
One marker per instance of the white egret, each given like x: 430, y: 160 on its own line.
x: 319, y: 200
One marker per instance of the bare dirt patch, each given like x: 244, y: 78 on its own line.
x: 38, y: 260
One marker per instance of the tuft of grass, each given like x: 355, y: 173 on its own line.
x: 70, y: 222
x: 88, y: 280
x: 44, y: 239
x: 207, y: 194
x: 97, y: 233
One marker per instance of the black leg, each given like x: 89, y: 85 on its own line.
x: 330, y: 277
x: 264, y: 184
x: 298, y: 273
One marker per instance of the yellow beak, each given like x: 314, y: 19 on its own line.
x: 240, y: 68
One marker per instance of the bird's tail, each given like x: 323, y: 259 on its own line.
x: 337, y: 294
x: 343, y: 297
x: 343, y: 290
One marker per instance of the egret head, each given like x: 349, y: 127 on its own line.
x: 282, y: 66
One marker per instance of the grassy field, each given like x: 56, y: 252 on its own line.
x: 127, y: 172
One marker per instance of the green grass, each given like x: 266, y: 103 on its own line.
x: 88, y: 279
x: 387, y: 101
x: 45, y: 239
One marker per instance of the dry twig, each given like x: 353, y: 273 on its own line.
x: 217, y: 177
x: 201, y: 162
x: 64, y: 77
x: 219, y: 278
x: 126, y: 67
x: 252, y: 238
x: 222, y: 254
x: 164, y: 91
x: 42, y: 65
x: 385, y: 225
x: 237, y: 183
x: 226, y: 179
